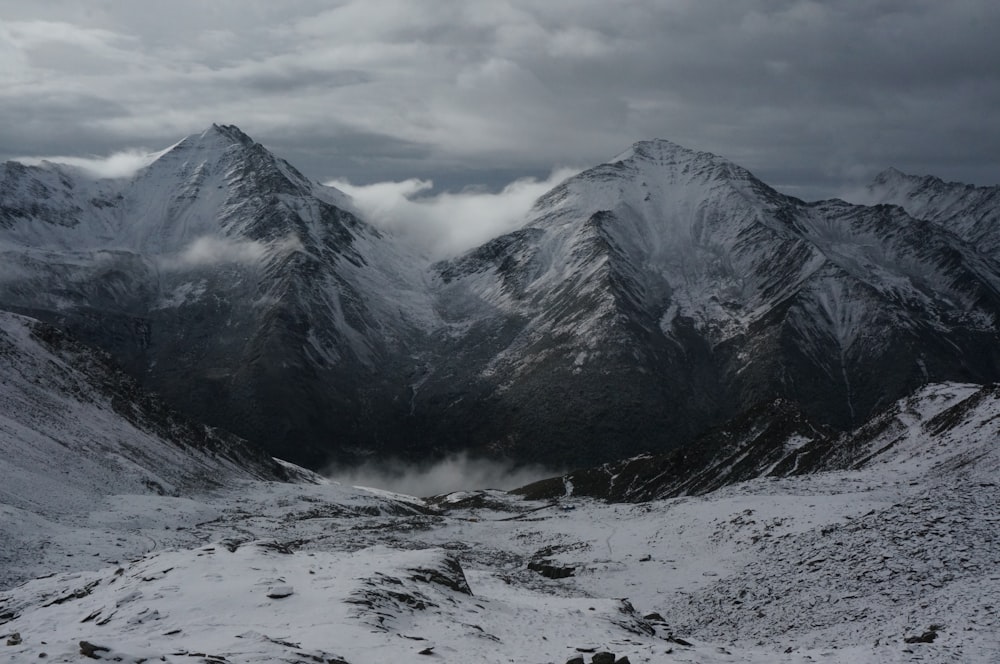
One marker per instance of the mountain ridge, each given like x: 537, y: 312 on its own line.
x: 640, y: 303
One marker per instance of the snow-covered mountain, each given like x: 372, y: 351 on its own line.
x: 223, y: 279
x: 641, y: 303
x: 667, y: 290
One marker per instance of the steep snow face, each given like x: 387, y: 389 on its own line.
x: 972, y: 213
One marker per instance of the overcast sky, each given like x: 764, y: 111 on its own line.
x: 814, y: 97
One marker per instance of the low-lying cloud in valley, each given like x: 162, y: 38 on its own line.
x: 458, y: 472
x: 447, y: 223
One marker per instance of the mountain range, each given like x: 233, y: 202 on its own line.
x: 726, y: 356
x: 640, y: 303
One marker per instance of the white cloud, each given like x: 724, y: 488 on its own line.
x: 447, y: 223
x: 799, y: 91
x: 118, y: 165
x: 458, y: 472
x: 212, y: 250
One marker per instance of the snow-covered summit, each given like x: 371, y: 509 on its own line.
x: 664, y: 152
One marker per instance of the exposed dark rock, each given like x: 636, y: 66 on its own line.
x: 927, y: 637
x: 91, y: 650
x: 603, y: 658
x: 547, y: 569
x: 450, y: 575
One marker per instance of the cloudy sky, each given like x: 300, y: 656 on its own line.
x: 814, y: 97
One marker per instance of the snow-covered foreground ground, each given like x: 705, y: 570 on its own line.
x: 835, y: 567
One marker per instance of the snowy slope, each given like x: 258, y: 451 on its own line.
x: 838, y: 566
x: 74, y: 429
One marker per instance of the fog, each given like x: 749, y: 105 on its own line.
x: 209, y: 250
x: 123, y: 164
x: 458, y: 472
x: 447, y: 223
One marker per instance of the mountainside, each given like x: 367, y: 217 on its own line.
x: 75, y: 429
x: 776, y: 441
x: 654, y: 296
x: 221, y: 278
x: 642, y: 302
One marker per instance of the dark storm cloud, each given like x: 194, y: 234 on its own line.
x: 814, y: 97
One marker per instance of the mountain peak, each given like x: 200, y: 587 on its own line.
x: 659, y: 149
x: 231, y: 132
x: 894, y: 176
x: 659, y: 152
x: 217, y: 137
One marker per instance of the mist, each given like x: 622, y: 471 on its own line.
x: 123, y: 164
x: 457, y: 472
x: 446, y: 224
x: 209, y: 250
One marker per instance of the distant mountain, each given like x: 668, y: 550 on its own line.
x: 972, y: 213
x: 641, y: 303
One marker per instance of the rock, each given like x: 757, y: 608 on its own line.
x: 926, y: 637
x: 15, y: 639
x: 575, y: 659
x: 604, y: 657
x: 547, y: 569
x: 654, y: 616
x: 279, y: 592
x: 88, y: 649
x: 623, y: 660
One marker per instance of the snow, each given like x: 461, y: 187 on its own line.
x: 839, y: 566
